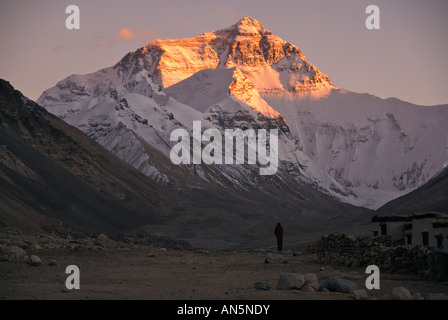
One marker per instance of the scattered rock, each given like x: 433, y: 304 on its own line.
x: 104, y: 241
x: 417, y: 296
x: 308, y: 288
x: 437, y: 296
x: 360, y: 294
x: 14, y: 253
x: 275, y: 258
x: 262, y: 285
x: 337, y: 284
x: 52, y: 263
x: 401, y: 293
x: 21, y: 244
x: 35, y: 246
x: 311, y: 280
x: 35, y: 260
x: 291, y: 281
x: 163, y: 249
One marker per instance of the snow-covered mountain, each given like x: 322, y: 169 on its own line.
x: 53, y: 178
x: 358, y: 148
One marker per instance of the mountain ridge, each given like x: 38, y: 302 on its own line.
x: 430, y: 197
x: 55, y: 179
x: 354, y: 147
x: 52, y: 170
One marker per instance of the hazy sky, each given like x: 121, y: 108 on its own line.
x: 407, y: 58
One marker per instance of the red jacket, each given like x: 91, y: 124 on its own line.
x: 278, y: 231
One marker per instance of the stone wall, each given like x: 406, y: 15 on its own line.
x: 340, y: 249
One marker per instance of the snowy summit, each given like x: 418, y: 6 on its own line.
x: 354, y: 147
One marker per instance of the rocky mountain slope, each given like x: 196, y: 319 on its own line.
x: 432, y: 196
x: 51, y: 173
x: 356, y: 148
x: 54, y: 178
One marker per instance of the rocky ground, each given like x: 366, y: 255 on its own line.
x: 33, y: 267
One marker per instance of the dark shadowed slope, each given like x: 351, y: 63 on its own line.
x: 432, y: 196
x: 49, y: 169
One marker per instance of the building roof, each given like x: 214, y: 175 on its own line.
x: 408, y: 217
x: 392, y: 218
x: 440, y: 223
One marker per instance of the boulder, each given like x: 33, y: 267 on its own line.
x: 401, y: 293
x: 417, y: 296
x: 437, y: 296
x: 262, y: 285
x: 311, y: 280
x: 275, y: 258
x: 104, y: 241
x: 14, y: 253
x: 360, y: 294
x: 290, y: 281
x: 35, y: 246
x: 52, y: 263
x: 337, y: 284
x: 35, y: 260
x: 308, y: 288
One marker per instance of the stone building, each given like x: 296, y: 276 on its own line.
x: 429, y: 229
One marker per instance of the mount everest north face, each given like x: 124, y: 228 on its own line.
x: 353, y: 147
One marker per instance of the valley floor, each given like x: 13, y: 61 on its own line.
x: 148, y: 273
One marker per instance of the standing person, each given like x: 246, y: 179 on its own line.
x: 279, y: 234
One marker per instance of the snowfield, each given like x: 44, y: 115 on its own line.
x: 358, y: 148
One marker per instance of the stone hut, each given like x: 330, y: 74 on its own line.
x: 429, y: 229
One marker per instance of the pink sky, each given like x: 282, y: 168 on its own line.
x: 406, y: 58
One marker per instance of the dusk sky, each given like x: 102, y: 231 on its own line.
x: 407, y: 58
